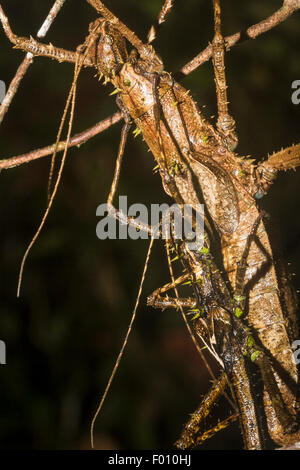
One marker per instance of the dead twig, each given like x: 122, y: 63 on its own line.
x: 77, y: 139
x: 27, y: 61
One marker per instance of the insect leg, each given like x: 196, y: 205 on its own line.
x: 155, y: 300
x: 252, y: 32
x: 213, y: 431
x: 188, y: 436
x: 225, y: 123
x: 216, y: 297
x: 285, y: 159
x: 161, y: 18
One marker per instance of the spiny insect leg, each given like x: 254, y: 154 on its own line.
x: 171, y: 302
x: 155, y: 296
x: 133, y: 222
x: 225, y: 123
x: 161, y: 18
x: 285, y: 159
x: 213, y: 431
x: 189, y: 436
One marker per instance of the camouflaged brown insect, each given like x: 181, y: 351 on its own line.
x: 251, y: 321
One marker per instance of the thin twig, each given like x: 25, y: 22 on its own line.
x: 287, y: 9
x: 161, y: 18
x: 14, y: 85
x: 27, y: 61
x: 50, y: 18
x: 76, y: 140
x: 70, y: 103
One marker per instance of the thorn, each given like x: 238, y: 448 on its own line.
x: 196, y: 316
x: 151, y: 35
x: 187, y: 283
x: 136, y: 132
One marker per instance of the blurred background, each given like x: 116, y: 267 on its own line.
x: 64, y: 333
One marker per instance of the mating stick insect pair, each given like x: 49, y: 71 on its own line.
x: 242, y: 309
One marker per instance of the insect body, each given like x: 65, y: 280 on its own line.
x: 197, y: 164
x: 176, y: 131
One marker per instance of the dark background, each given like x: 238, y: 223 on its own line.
x: 64, y: 333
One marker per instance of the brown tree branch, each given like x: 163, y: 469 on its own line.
x: 14, y: 85
x: 77, y: 139
x: 287, y: 9
x: 27, y: 61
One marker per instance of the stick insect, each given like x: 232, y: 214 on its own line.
x: 203, y: 153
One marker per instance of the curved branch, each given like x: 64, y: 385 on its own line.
x: 77, y: 139
x: 14, y: 85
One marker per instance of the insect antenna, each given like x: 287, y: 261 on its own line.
x: 89, y: 42
x: 71, y: 99
x: 51, y: 195
x: 120, y: 355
